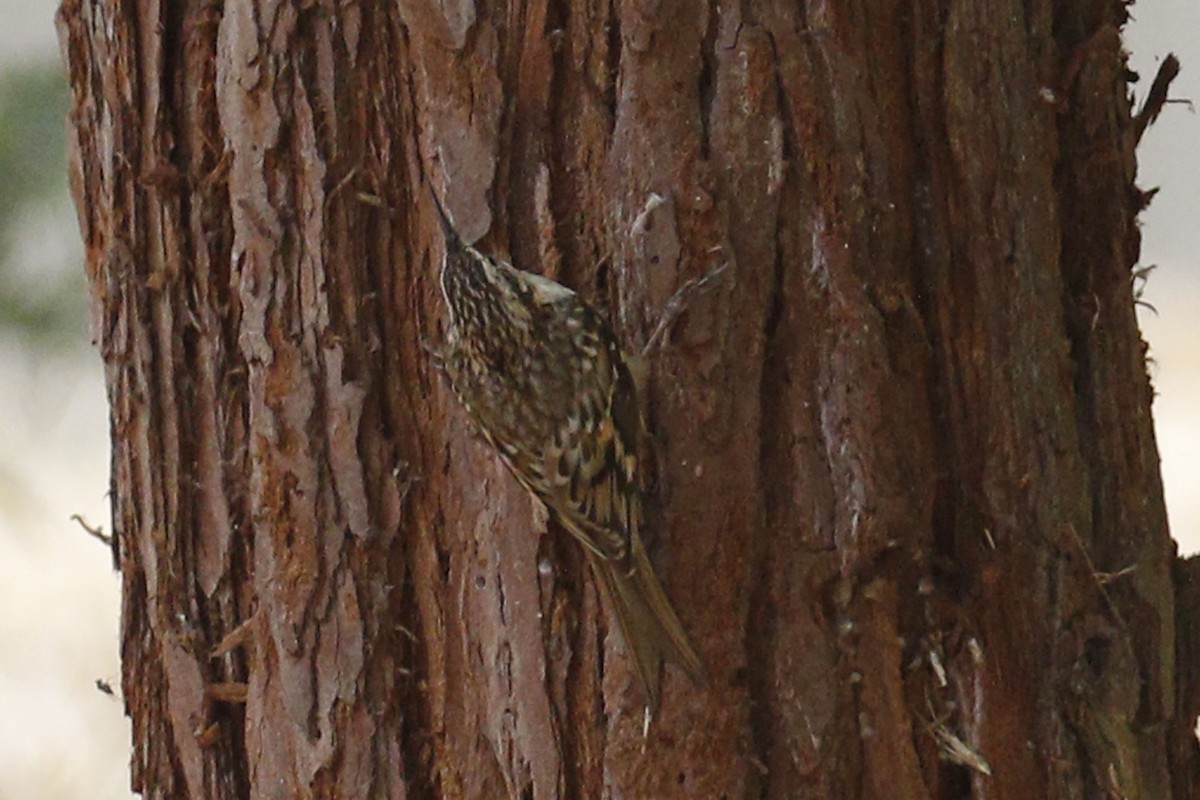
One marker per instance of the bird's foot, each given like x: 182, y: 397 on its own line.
x: 679, y: 303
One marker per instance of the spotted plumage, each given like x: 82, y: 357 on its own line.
x: 545, y: 382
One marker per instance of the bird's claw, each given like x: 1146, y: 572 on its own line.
x: 679, y: 303
x: 436, y: 355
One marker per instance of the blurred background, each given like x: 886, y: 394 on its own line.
x: 59, y: 600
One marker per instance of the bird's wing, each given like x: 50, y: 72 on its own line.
x: 586, y: 472
x: 598, y: 497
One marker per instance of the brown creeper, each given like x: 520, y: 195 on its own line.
x: 542, y: 376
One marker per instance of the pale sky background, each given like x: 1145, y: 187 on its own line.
x: 61, y: 738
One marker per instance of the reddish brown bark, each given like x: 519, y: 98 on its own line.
x: 906, y: 498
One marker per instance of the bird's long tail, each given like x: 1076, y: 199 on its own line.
x: 650, y: 627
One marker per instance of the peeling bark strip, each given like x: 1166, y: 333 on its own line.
x: 907, y: 504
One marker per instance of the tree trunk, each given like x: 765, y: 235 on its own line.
x: 906, y: 495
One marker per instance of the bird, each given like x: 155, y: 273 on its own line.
x: 547, y: 385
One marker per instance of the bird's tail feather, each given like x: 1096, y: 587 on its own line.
x: 650, y: 627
